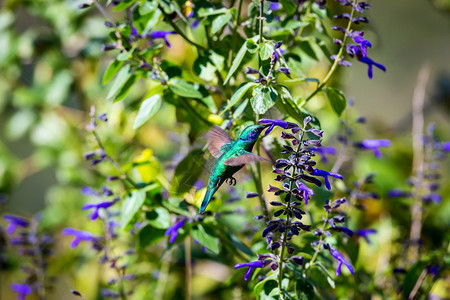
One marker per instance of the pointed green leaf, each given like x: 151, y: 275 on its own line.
x: 238, y: 94
x: 148, y: 108
x: 265, y: 51
x: 122, y: 77
x: 158, y: 218
x: 236, y: 62
x: 337, y: 99
x: 263, y: 99
x: 149, y: 235
x: 184, y: 89
x: 206, y: 237
x: 112, y: 70
x: 131, y: 206
x: 251, y: 45
x: 125, y: 89
x: 308, y: 50
x: 219, y: 22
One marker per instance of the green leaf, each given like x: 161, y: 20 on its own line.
x: 123, y: 4
x: 184, y: 89
x: 263, y: 99
x: 148, y: 7
x: 240, y: 109
x: 131, y: 206
x: 251, y: 46
x: 188, y: 171
x: 209, y: 11
x: 125, y: 89
x: 238, y: 94
x: 236, y: 62
x: 337, y: 99
x: 158, y: 218
x: 265, y: 51
x: 112, y: 70
x: 219, y: 22
x: 204, y: 67
x: 308, y: 50
x: 289, y: 6
x: 206, y: 237
x: 148, y: 108
x: 149, y: 235
x: 122, y: 77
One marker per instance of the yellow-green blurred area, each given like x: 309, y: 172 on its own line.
x: 51, y: 68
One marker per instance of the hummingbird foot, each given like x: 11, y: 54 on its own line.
x: 231, y: 181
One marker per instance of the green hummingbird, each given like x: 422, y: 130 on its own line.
x: 232, y: 156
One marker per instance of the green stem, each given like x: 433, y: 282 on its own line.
x: 188, y: 262
x: 316, y: 253
x: 261, y: 25
x: 234, y: 38
x: 178, y: 30
x: 336, y: 60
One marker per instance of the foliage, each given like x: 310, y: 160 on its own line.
x: 116, y: 97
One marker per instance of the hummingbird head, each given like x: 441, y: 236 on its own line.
x: 252, y: 132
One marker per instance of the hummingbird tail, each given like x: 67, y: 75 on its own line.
x: 208, y: 196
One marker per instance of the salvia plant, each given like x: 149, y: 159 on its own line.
x: 206, y: 150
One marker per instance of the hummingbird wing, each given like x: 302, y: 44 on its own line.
x: 244, y: 158
x: 217, y: 138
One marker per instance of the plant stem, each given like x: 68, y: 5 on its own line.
x: 316, y: 253
x: 261, y: 25
x: 178, y: 30
x: 337, y: 59
x: 104, y: 12
x: 234, y: 38
x: 188, y: 263
x: 418, y: 162
x: 164, y: 275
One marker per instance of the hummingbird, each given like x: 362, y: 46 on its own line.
x: 232, y: 156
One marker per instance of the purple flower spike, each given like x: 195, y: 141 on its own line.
x: 325, y: 174
x: 173, y: 230
x: 370, y: 63
x: 281, y: 123
x: 306, y: 191
x: 23, y: 290
x: 374, y: 145
x: 160, y: 35
x: 364, y: 233
x: 14, y: 222
x: 251, y: 265
x: 398, y: 193
x: 341, y: 260
x: 79, y: 235
x: 97, y: 206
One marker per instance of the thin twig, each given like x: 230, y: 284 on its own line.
x: 418, y: 161
x: 418, y: 284
x: 188, y: 263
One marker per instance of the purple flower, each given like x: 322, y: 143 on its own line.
x: 88, y: 191
x: 14, y: 222
x: 374, y: 145
x: 306, y: 191
x: 251, y: 265
x: 435, y: 197
x: 322, y: 151
x: 445, y: 146
x: 281, y: 123
x: 325, y: 174
x: 341, y: 260
x: 398, y: 193
x: 173, y: 230
x: 363, y: 44
x: 79, y: 235
x: 195, y: 23
x: 22, y: 289
x: 275, y: 6
x: 160, y: 35
x: 370, y: 63
x: 102, y: 117
x: 97, y: 206
x: 364, y: 233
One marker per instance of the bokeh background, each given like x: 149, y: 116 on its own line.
x: 51, y: 65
